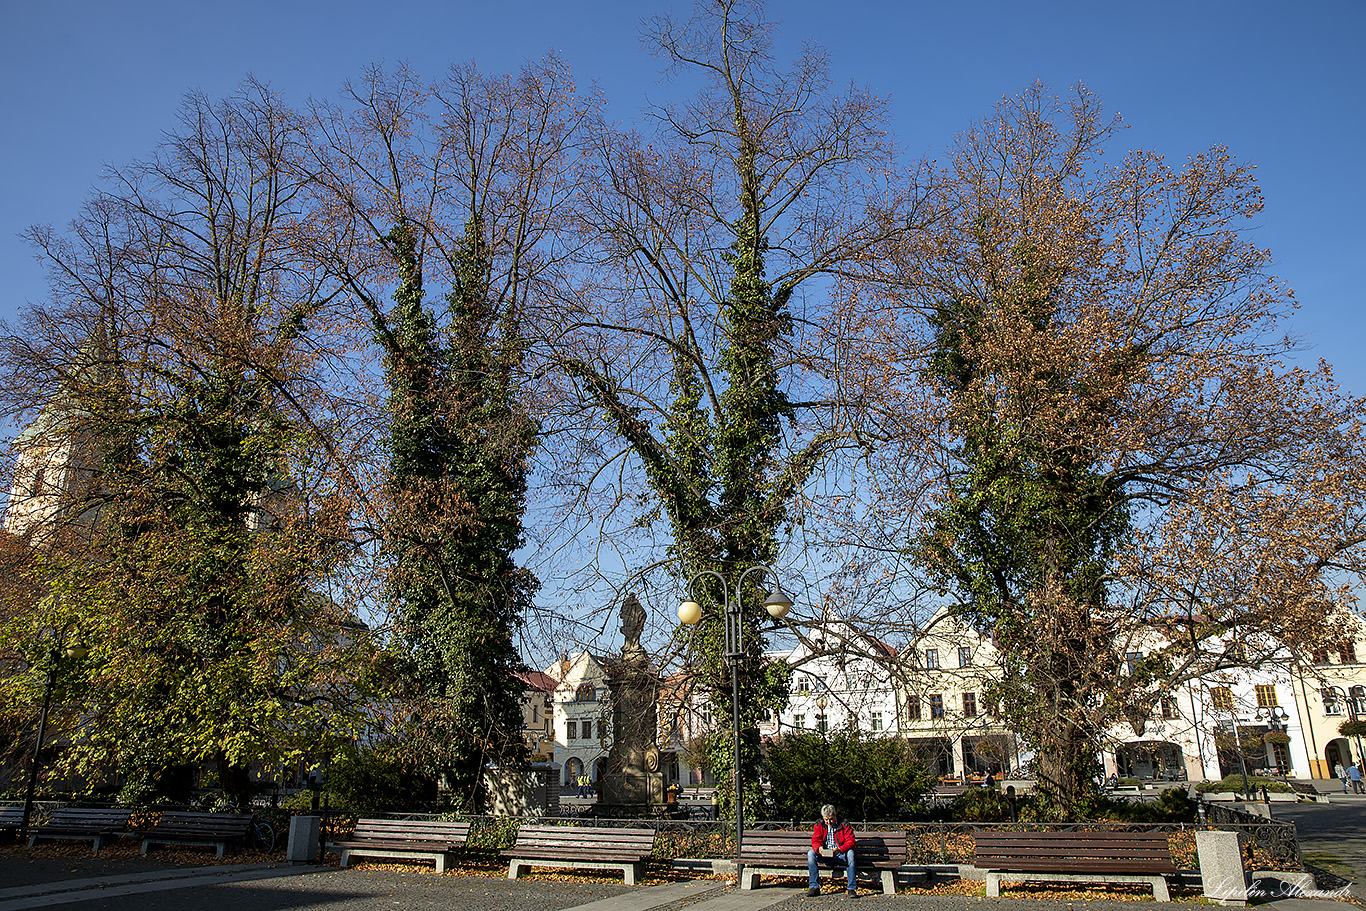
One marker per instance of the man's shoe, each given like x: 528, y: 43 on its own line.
x: 813, y: 892
x: 853, y: 893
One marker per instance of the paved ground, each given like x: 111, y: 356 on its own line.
x: 1332, y: 835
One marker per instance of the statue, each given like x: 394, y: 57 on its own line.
x: 633, y: 775
x: 632, y: 625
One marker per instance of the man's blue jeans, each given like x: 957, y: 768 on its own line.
x: 839, y: 857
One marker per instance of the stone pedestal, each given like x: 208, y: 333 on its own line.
x: 1221, y: 867
x: 304, y: 832
x: 632, y: 786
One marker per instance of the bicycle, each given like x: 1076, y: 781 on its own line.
x: 261, y: 833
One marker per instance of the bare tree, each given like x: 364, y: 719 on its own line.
x: 1089, y: 434
x: 697, y: 405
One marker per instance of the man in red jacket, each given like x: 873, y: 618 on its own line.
x: 836, y: 836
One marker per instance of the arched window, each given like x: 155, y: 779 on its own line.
x: 586, y: 693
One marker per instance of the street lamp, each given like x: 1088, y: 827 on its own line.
x: 1351, y: 709
x: 690, y: 612
x: 1275, y: 718
x: 75, y: 651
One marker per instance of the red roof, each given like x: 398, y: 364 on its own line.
x: 539, y: 680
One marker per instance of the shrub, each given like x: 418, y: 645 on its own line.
x: 865, y: 777
x: 1234, y: 783
x: 1173, y: 805
x: 376, y: 779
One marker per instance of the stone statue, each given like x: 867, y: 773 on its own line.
x: 632, y: 624
x: 633, y: 775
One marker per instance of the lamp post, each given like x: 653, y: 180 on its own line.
x: 690, y: 612
x: 1351, y: 709
x: 1237, y: 744
x: 1275, y: 717
x: 74, y: 651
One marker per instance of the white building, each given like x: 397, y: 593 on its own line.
x: 841, y: 679
x: 580, y: 716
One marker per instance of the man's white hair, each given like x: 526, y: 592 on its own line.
x: 828, y: 811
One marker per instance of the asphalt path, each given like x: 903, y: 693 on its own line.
x: 1331, y: 835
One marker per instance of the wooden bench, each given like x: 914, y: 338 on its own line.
x: 419, y: 839
x: 11, y: 818
x: 877, y: 855
x: 98, y: 824
x: 582, y: 847
x: 1097, y: 857
x: 213, y: 830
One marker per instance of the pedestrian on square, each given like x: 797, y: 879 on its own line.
x: 1354, y: 773
x: 836, y: 836
x: 1342, y: 776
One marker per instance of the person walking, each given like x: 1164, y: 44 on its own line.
x: 1354, y: 773
x: 836, y: 836
x: 1342, y: 776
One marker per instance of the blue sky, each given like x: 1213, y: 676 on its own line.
x: 85, y: 83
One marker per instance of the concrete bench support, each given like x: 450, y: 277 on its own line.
x: 631, y: 871
x: 1157, y: 881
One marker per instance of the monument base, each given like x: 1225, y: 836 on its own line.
x: 634, y: 811
x: 632, y: 786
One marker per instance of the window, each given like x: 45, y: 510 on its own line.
x: 1358, y: 696
x: 932, y: 658
x: 913, y: 708
x: 587, y: 730
x: 799, y: 722
x: 1169, y: 709
x: 586, y: 693
x: 1349, y: 654
x: 1266, y: 696
x: 1131, y: 660
x: 936, y: 705
x: 964, y: 656
x: 822, y: 724
x: 1320, y: 656
x: 969, y: 705
x: 571, y: 730
x: 535, y: 713
x: 1331, y: 705
x: 1221, y: 698
x: 803, y: 684
x: 877, y: 721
